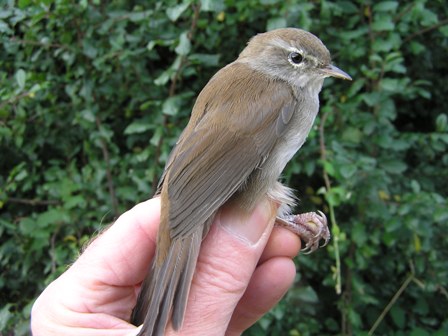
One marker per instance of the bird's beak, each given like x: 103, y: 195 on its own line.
x: 333, y: 71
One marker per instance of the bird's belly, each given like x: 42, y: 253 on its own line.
x: 290, y: 142
x: 265, y: 177
x: 285, y: 150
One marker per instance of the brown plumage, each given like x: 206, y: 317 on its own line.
x: 246, y: 124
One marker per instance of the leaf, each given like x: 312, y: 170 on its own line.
x: 383, y: 195
x: 354, y: 317
x: 77, y: 202
x: 336, y: 195
x: 347, y: 7
x: 383, y: 23
x: 309, y: 167
x: 372, y: 98
x: 444, y: 30
x: 21, y: 175
x: 421, y: 306
x: 347, y: 171
x: 156, y: 137
x: 137, y: 127
x: 416, y: 47
x: 151, y: 44
x: 352, y: 134
x: 163, y: 78
x: 171, y: 106
x: 429, y: 18
x: 385, y: 6
x: 306, y: 294
x: 441, y: 122
x: 416, y: 331
x: 48, y: 218
x: 139, y: 16
x: 441, y: 215
x: 212, y: 5
x: 27, y: 226
x: 398, y: 316
x: 175, y: 12
x: 359, y: 234
x: 184, y: 46
x: 211, y: 60
x: 391, y: 84
x: 417, y: 243
x: 21, y: 78
x: 356, y: 86
x: 5, y: 316
x: 329, y: 168
x: 88, y: 115
x: 269, y: 2
x: 415, y: 186
x: 394, y: 166
x: 4, y: 13
x: 4, y: 28
x: 89, y: 48
x: 276, y: 23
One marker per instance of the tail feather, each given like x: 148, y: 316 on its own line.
x: 164, y: 293
x: 186, y: 276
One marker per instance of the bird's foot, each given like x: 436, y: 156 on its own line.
x: 311, y: 227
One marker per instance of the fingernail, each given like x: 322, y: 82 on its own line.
x: 135, y: 331
x: 248, y: 227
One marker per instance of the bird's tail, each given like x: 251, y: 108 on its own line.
x: 164, y: 292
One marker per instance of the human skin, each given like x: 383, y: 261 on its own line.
x: 244, y: 268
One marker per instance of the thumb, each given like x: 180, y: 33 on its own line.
x: 227, y: 260
x: 135, y: 331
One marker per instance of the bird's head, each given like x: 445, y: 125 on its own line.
x: 293, y: 55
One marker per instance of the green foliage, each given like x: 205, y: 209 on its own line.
x: 94, y: 94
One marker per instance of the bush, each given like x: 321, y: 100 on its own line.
x: 95, y: 94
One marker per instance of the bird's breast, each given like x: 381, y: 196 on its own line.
x: 294, y: 137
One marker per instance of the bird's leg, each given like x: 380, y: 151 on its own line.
x: 311, y: 227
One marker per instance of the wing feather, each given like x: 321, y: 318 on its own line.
x: 213, y: 160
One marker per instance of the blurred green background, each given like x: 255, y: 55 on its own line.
x: 93, y: 95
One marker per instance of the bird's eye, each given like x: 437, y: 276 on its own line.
x: 295, y: 57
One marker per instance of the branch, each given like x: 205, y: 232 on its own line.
x: 52, y: 251
x: 183, y: 59
x: 32, y: 202
x: 110, y: 182
x: 323, y: 149
x: 334, y: 225
x: 404, y: 12
x: 14, y: 99
x: 391, y: 303
x: 428, y: 29
x: 443, y: 291
x: 411, y: 277
x: 37, y: 43
x: 173, y: 86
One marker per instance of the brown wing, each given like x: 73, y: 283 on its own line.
x: 212, y: 160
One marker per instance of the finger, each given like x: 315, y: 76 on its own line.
x: 226, y: 263
x: 269, y: 283
x: 102, y: 281
x: 120, y: 256
x: 282, y: 243
x: 135, y: 331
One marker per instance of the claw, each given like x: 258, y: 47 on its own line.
x: 306, y: 249
x: 311, y: 227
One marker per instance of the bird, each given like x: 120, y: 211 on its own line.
x: 246, y: 124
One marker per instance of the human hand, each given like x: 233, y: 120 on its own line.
x: 245, y: 266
